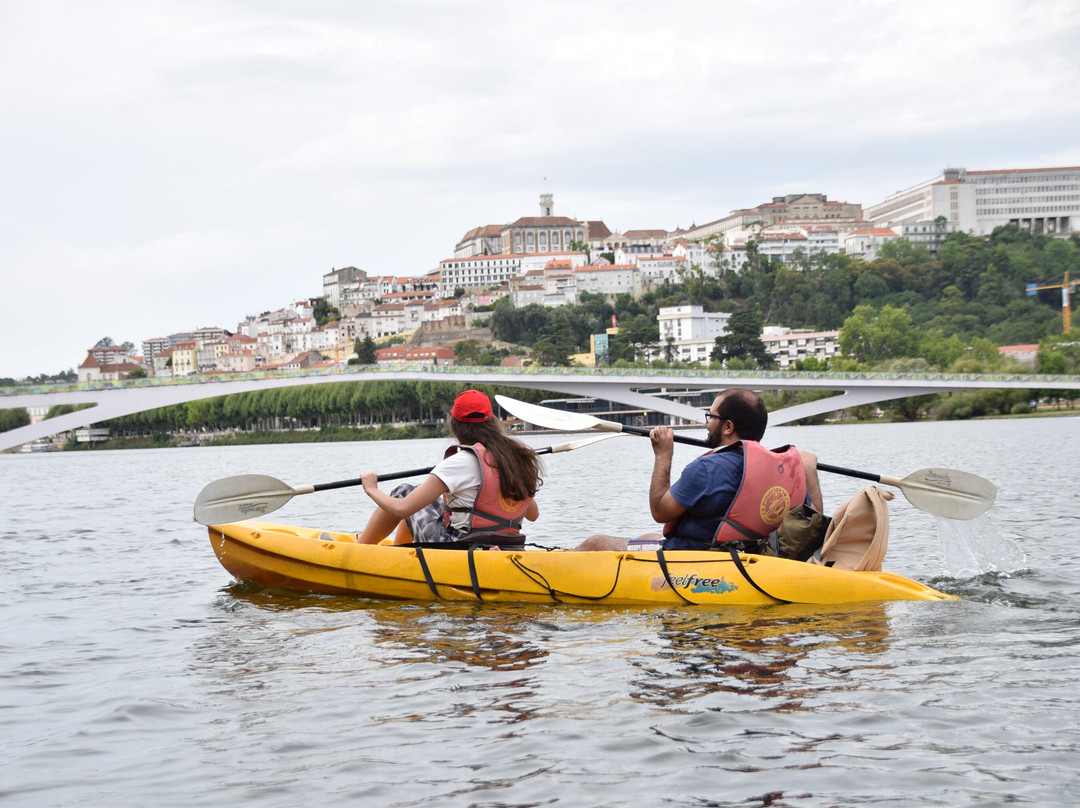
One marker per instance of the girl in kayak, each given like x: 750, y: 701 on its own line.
x: 480, y: 492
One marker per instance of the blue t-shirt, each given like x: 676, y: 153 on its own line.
x: 706, y: 489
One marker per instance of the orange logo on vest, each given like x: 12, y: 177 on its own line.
x: 508, y: 505
x: 774, y: 504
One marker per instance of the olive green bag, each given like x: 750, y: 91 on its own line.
x: 799, y: 535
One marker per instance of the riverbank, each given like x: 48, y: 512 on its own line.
x: 258, y: 437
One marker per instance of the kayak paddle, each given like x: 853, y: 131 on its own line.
x: 943, y: 492
x: 247, y: 496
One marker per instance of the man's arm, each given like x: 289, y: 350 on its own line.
x: 662, y: 504
x: 813, y: 488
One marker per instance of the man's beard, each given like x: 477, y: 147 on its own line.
x: 714, y: 438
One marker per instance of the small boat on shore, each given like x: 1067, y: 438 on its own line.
x: 328, y: 562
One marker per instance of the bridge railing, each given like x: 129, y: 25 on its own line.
x: 347, y: 371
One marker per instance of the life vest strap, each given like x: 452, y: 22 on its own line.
x: 667, y: 577
x: 473, y: 578
x: 742, y: 571
x: 500, y: 523
x: 426, y: 571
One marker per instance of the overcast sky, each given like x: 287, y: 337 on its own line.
x: 170, y: 165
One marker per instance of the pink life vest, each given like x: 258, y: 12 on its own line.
x: 491, y: 511
x: 773, y: 482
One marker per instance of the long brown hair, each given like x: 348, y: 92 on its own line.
x: 519, y: 468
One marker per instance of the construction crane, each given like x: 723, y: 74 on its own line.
x: 1066, y: 310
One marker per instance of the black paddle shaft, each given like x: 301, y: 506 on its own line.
x: 396, y: 475
x: 645, y: 430
x: 862, y: 475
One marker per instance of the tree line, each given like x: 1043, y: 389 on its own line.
x: 346, y: 405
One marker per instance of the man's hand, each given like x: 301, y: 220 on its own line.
x: 663, y: 441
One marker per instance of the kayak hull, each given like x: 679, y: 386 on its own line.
x: 312, y: 560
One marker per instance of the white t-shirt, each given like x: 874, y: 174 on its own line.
x: 460, y: 473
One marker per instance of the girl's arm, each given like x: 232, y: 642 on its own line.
x: 424, y: 494
x: 533, y: 512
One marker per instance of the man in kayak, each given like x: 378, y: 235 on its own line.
x: 480, y: 491
x: 737, y: 492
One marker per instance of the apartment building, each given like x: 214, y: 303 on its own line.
x: 790, y: 345
x: 477, y: 272
x: 1041, y: 200
x: 609, y: 279
x: 657, y: 269
x: 865, y: 242
x: 688, y: 333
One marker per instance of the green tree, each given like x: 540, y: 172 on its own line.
x: 582, y: 246
x: 1058, y: 354
x: 871, y: 336
x: 468, y: 351
x: 743, y: 341
x: 637, y: 338
x: 13, y: 418
x: 365, y: 350
x: 323, y: 312
x: 550, y: 352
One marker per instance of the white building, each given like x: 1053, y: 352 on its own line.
x: 789, y: 346
x: 1042, y: 200
x: 865, y: 242
x: 437, y: 310
x: 477, y: 272
x: 612, y: 279
x: 522, y: 295
x: 657, y: 269
x: 691, y: 322
x: 698, y: 254
x: 688, y: 333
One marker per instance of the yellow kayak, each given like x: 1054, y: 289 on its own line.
x: 313, y: 560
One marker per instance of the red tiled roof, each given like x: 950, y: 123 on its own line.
x: 598, y: 230
x: 484, y: 231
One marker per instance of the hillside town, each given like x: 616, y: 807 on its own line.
x: 551, y: 260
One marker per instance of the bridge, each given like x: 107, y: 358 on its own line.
x: 113, y: 399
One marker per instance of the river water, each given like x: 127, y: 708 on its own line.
x: 135, y: 672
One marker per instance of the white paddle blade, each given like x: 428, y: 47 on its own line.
x: 577, y: 444
x: 950, y: 493
x: 550, y: 418
x: 245, y: 496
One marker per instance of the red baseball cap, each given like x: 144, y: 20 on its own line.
x: 472, y: 406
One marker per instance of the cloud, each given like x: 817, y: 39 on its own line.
x: 203, y: 160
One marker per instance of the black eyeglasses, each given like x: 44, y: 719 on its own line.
x: 710, y: 414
